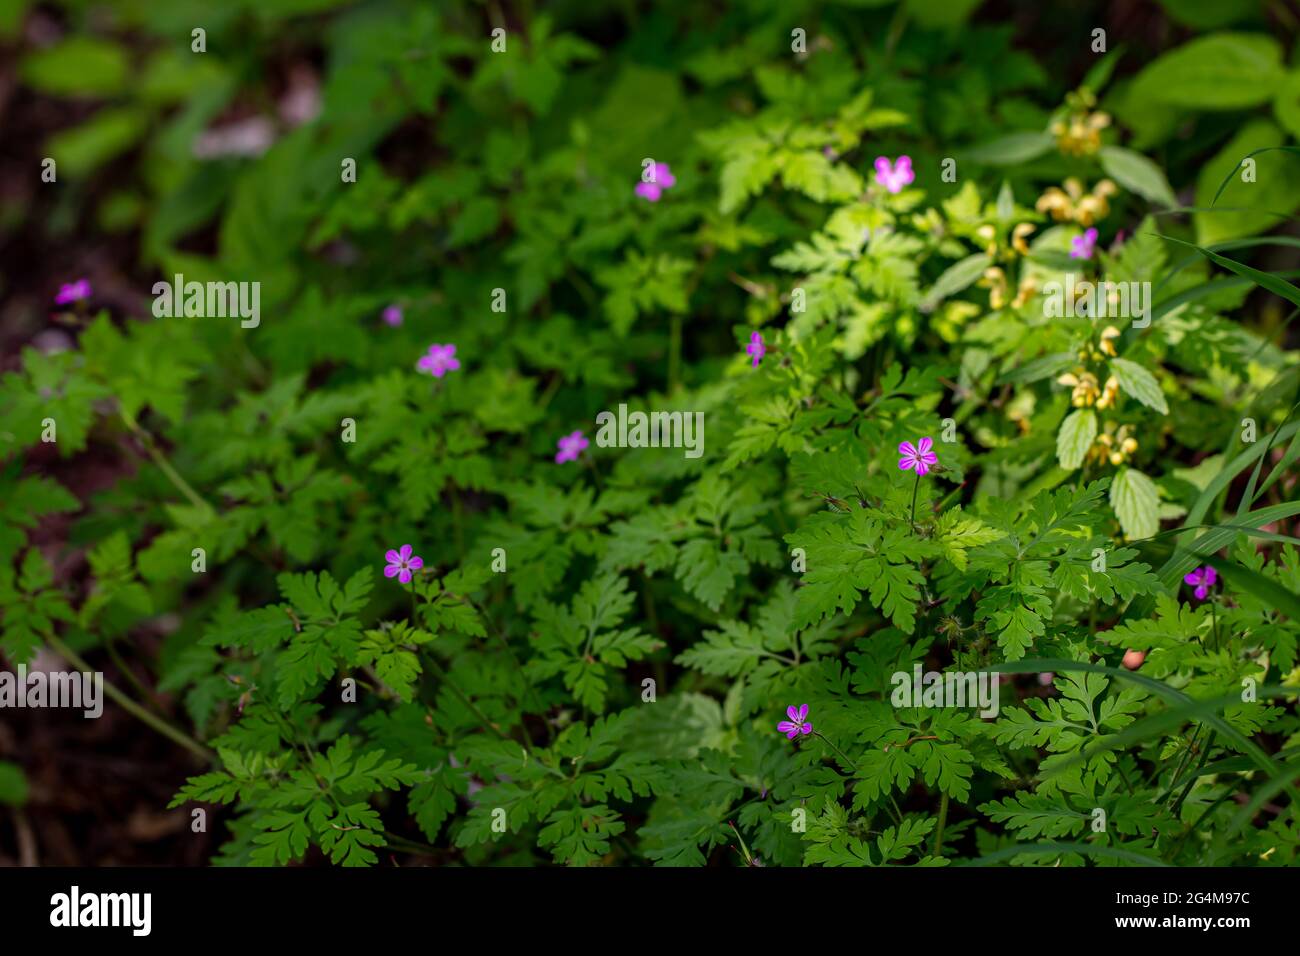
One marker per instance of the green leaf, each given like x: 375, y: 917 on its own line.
x: 1076, y: 436
x: 955, y: 278
x: 13, y: 784
x: 1012, y: 149
x: 1136, y: 502
x: 1244, y: 207
x: 1136, y: 381
x: 1137, y: 174
x: 78, y: 66
x: 1224, y: 71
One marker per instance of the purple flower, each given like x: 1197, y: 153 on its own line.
x: 71, y: 292
x: 440, y: 360
x: 571, y: 446
x: 393, y: 316
x: 798, y: 722
x: 896, y: 177
x: 919, y: 456
x: 756, y: 347
x: 1082, y: 247
x: 1202, y: 579
x: 663, y: 179
x: 401, y: 564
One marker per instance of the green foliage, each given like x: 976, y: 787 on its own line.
x: 590, y: 665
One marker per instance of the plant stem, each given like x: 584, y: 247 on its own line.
x: 818, y: 733
x: 943, y: 819
x: 915, y: 488
x: 165, y: 466
x: 446, y: 679
x: 174, y: 734
x: 898, y: 813
x: 1205, y: 755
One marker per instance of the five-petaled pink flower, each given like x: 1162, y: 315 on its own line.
x: 1202, y: 579
x: 663, y: 179
x: 440, y: 360
x: 571, y: 446
x: 1082, y: 247
x: 917, y: 456
x: 894, y: 177
x: 798, y: 722
x: 756, y: 347
x: 71, y: 292
x: 402, y: 564
x: 393, y: 315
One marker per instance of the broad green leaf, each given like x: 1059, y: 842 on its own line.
x: 1076, y: 436
x: 1223, y: 71
x: 1136, y: 502
x: 1137, y: 174
x: 1136, y: 381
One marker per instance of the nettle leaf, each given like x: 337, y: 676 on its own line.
x: 1136, y: 381
x: 1136, y: 502
x: 1076, y: 436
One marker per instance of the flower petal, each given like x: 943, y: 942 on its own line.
x: 924, y: 445
x: 415, y: 563
x: 391, y: 571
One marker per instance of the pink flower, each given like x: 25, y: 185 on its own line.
x: 571, y: 446
x: 393, y: 316
x: 71, y: 292
x: 402, y: 564
x: 896, y: 177
x: 919, y: 456
x: 798, y: 722
x: 1202, y: 579
x: 661, y: 179
x: 1133, y: 659
x: 440, y: 360
x: 1082, y: 247
x: 756, y: 347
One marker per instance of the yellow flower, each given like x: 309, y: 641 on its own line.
x: 1109, y: 393
x: 1025, y: 292
x: 1108, y: 336
x: 1114, y: 446
x: 995, y: 281
x: 1078, y: 133
x: 1072, y: 204
x: 1018, y: 235
x: 1085, y: 388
